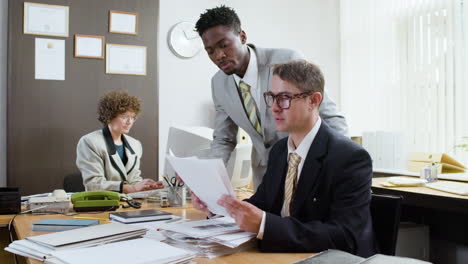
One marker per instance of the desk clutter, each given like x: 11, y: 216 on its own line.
x: 107, y: 243
x: 458, y: 188
x: 208, y: 238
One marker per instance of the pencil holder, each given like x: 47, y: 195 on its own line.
x: 176, y: 196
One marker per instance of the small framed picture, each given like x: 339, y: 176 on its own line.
x: 45, y: 19
x: 89, y: 46
x: 125, y: 59
x: 121, y: 22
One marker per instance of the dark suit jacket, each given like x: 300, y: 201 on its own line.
x: 330, y: 209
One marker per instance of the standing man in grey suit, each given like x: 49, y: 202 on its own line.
x: 245, y: 74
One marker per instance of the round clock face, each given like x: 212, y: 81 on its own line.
x: 184, y: 40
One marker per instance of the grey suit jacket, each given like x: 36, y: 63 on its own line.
x: 230, y: 114
x: 100, y: 164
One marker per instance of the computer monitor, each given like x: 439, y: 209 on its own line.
x: 196, y: 141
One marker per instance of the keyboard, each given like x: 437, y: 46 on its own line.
x: 450, y: 187
x: 144, y: 194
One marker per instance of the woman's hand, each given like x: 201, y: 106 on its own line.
x: 145, y: 184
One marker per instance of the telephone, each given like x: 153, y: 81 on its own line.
x: 55, y: 202
x: 95, y: 201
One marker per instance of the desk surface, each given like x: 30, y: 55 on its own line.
x: 376, y: 183
x: 23, y: 225
x: 424, y: 197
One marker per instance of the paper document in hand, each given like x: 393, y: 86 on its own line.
x: 207, y: 178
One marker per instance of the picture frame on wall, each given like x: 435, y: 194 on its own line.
x: 89, y: 46
x: 45, y: 19
x: 121, y: 22
x: 125, y: 59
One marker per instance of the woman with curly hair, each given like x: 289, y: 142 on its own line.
x: 108, y: 158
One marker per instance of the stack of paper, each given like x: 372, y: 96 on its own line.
x: 208, y: 238
x: 136, y: 251
x: 41, y: 247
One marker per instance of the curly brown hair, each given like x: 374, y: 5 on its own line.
x: 115, y: 103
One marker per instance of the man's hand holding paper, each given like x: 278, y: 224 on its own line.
x: 207, y: 178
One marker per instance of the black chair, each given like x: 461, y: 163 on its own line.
x: 386, y: 211
x: 73, y: 183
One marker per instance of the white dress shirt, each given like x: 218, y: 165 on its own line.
x: 251, y: 77
x: 302, y: 151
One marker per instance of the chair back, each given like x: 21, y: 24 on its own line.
x: 386, y: 211
x: 73, y: 183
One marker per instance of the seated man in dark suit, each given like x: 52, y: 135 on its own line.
x: 315, y: 194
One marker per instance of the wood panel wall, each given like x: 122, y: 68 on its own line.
x: 46, y: 118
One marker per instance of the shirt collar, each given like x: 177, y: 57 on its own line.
x: 304, y: 147
x: 251, y: 74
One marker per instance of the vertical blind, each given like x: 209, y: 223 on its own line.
x: 403, y: 70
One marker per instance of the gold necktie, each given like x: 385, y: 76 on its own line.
x: 291, y: 181
x: 250, y: 106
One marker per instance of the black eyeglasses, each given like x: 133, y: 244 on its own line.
x: 283, y: 100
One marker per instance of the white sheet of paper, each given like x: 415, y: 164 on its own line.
x: 126, y: 59
x: 50, y: 59
x: 125, y: 23
x: 91, y: 47
x: 144, y: 251
x: 46, y: 19
x: 207, y: 178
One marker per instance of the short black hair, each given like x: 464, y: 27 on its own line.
x: 221, y: 15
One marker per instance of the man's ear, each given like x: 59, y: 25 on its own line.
x: 315, y: 99
x: 243, y: 37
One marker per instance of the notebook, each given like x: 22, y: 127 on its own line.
x: 140, y: 216
x: 62, y: 224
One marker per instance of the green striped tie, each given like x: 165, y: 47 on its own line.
x: 250, y: 106
x: 291, y: 181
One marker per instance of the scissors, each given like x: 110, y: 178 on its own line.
x: 176, y: 183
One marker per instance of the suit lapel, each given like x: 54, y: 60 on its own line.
x: 278, y: 179
x: 131, y: 156
x: 310, y: 170
x: 113, y: 155
x: 237, y: 106
x: 265, y: 73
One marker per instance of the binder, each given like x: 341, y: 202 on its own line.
x: 418, y: 160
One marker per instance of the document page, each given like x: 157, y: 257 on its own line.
x: 207, y: 178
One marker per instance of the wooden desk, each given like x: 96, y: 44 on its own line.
x: 23, y: 225
x: 424, y: 197
x: 446, y: 215
x: 5, y: 219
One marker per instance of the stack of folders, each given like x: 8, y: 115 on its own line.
x: 208, y: 238
x: 140, y: 216
x: 41, y: 247
x: 136, y: 251
x: 62, y: 224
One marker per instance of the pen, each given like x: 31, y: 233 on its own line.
x: 172, y: 187
x: 91, y: 218
x: 167, y: 181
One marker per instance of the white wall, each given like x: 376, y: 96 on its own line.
x: 309, y: 26
x: 3, y: 87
